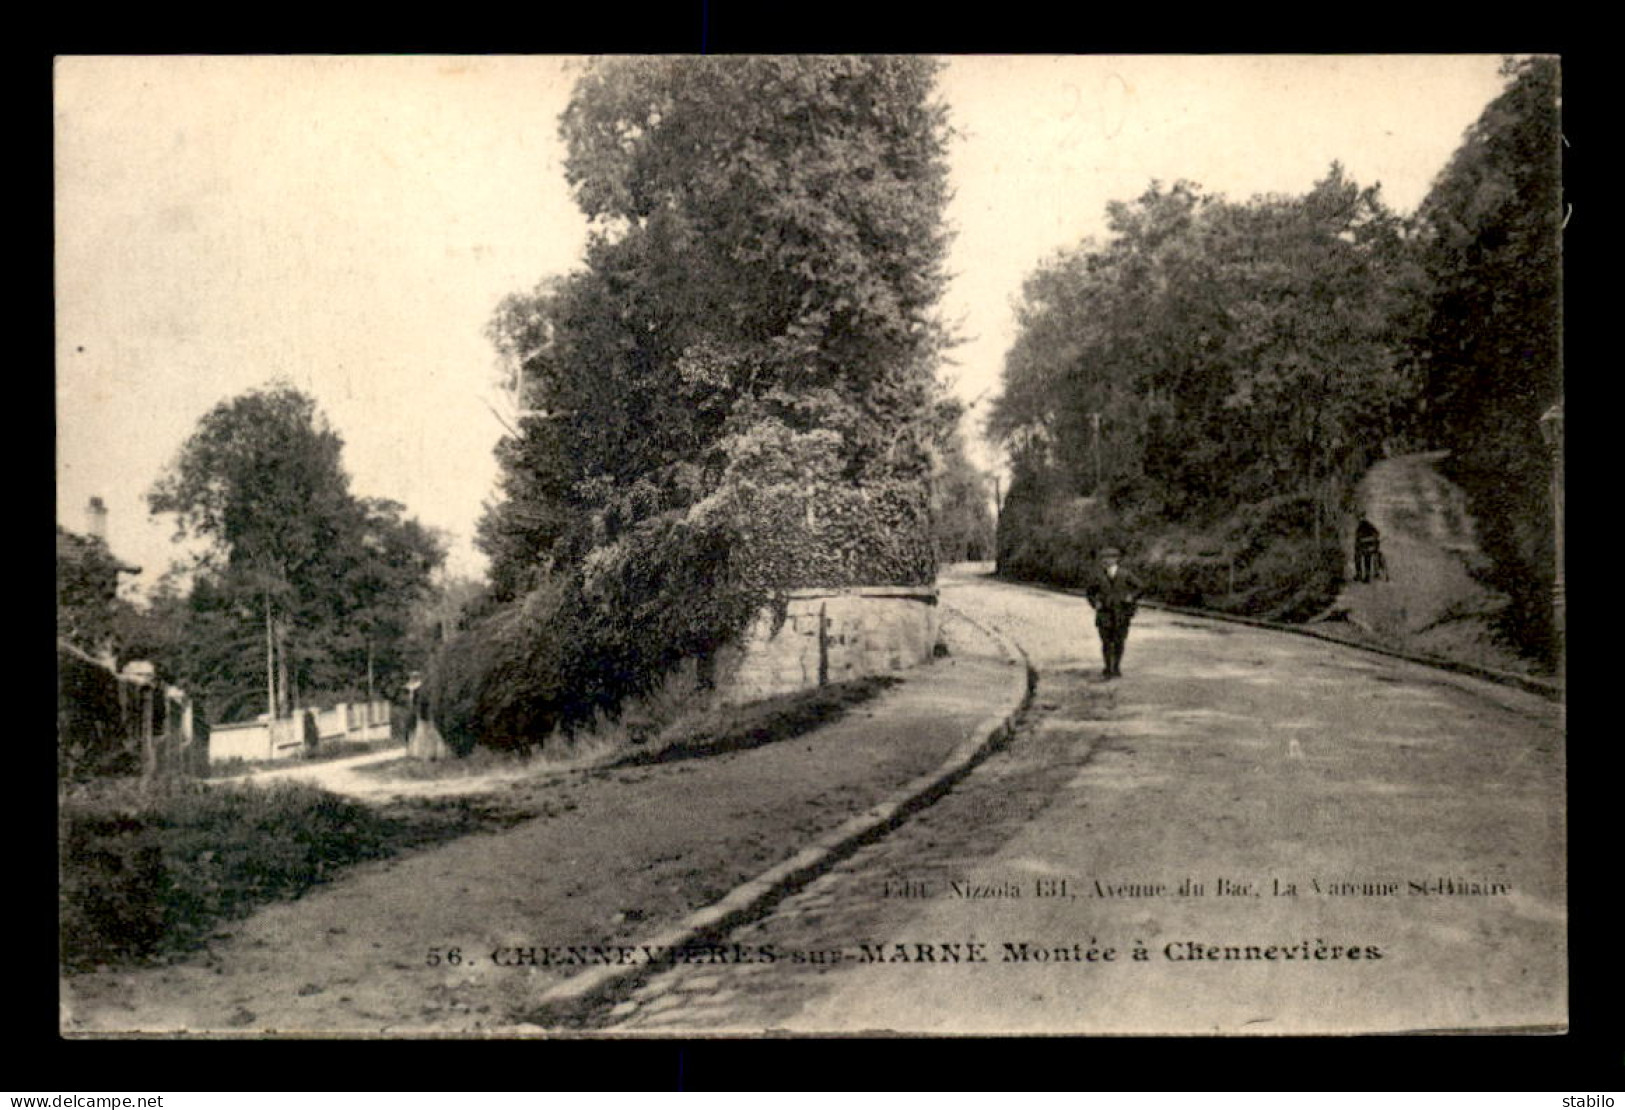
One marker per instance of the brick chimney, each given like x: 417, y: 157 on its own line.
x: 96, y: 528
x: 96, y: 519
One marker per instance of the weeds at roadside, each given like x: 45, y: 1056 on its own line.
x: 672, y: 724
x: 145, y: 874
x: 148, y: 874
x: 741, y: 727
x: 481, y: 761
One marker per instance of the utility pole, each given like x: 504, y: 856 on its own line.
x: 144, y: 677
x: 270, y: 663
x: 149, y: 751
x: 998, y: 519
x: 1094, y: 425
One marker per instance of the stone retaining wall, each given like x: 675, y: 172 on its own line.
x: 830, y: 635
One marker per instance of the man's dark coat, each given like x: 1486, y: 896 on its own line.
x: 1115, y: 598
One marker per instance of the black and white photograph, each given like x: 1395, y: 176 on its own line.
x: 747, y: 546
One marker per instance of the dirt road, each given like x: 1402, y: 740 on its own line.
x: 1431, y: 600
x: 456, y: 939
x: 1294, y: 835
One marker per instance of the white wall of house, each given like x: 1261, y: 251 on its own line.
x: 356, y: 720
x: 250, y: 740
x: 253, y: 740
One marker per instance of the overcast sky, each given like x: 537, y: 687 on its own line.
x: 349, y: 224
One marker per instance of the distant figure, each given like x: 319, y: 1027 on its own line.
x: 1115, y: 594
x: 1368, y: 563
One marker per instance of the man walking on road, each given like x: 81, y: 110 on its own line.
x: 1115, y: 594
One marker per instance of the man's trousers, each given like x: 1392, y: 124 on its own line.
x: 1113, y: 629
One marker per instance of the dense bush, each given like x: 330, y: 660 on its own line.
x: 734, y: 397
x: 582, y: 643
x: 1285, y: 566
x: 1515, y: 530
x: 502, y: 679
x: 826, y: 534
x: 670, y: 590
x: 1046, y: 534
x: 1180, y: 578
x: 676, y: 586
x: 95, y: 720
x: 1265, y: 560
x: 1294, y: 578
x: 141, y: 874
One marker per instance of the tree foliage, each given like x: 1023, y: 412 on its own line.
x: 1231, y: 368
x: 1490, y: 345
x: 292, y: 554
x: 961, y: 507
x: 1492, y: 246
x: 767, y: 253
x: 1214, y: 353
x: 752, y: 338
x: 89, y: 611
x: 1214, y: 374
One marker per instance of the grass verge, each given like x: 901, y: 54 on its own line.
x: 658, y: 733
x: 741, y: 727
x: 147, y: 875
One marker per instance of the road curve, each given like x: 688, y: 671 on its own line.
x: 1249, y: 833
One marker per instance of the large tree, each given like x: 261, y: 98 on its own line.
x: 737, y: 392
x: 297, y: 568
x: 1207, y: 385
x: 765, y: 263
x: 1490, y: 345
x: 961, y: 507
x: 1214, y: 353
x: 1492, y: 245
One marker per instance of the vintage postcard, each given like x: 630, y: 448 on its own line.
x: 757, y: 545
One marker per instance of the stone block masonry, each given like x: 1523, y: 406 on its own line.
x: 825, y: 635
